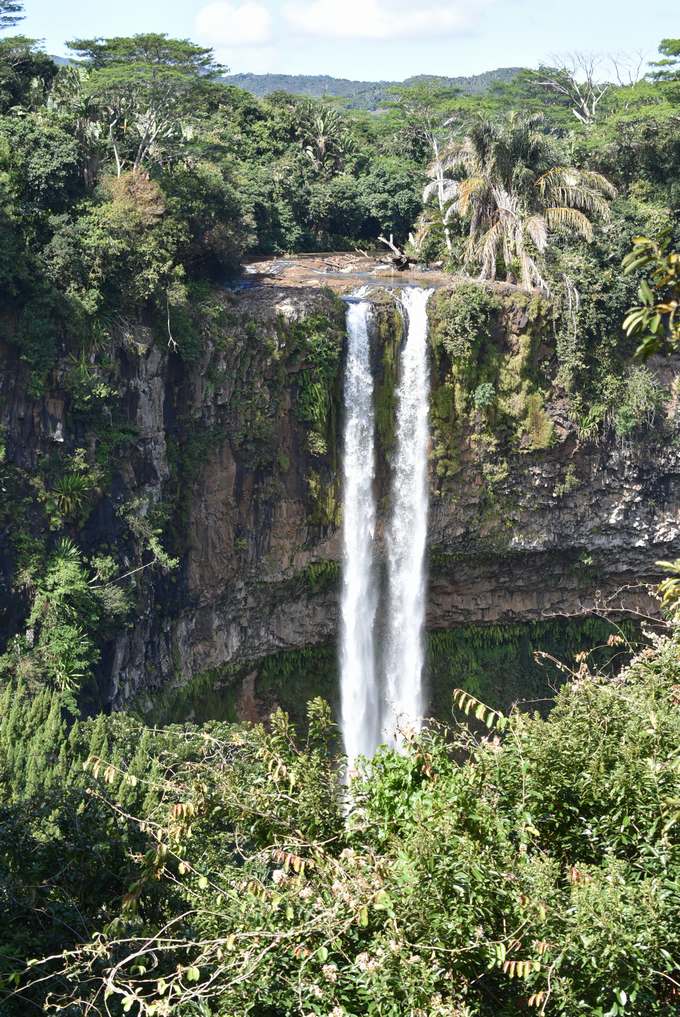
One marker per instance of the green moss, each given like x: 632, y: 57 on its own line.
x: 290, y: 679
x: 540, y: 430
x: 489, y: 388
x: 568, y: 483
x: 210, y: 695
x: 321, y: 576
x: 324, y: 498
x: 316, y: 343
x: 390, y: 334
x: 462, y: 320
x: 188, y: 452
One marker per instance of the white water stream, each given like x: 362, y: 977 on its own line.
x: 407, y: 531
x: 374, y: 710
x: 359, y: 691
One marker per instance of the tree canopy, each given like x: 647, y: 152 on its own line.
x: 11, y: 13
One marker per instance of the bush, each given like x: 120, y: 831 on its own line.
x: 640, y: 399
x: 517, y: 863
x: 484, y: 395
x: 464, y: 320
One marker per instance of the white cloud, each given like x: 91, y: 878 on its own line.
x: 250, y: 59
x: 229, y: 25
x: 383, y: 19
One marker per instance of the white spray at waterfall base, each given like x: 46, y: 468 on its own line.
x: 407, y: 531
x: 359, y: 691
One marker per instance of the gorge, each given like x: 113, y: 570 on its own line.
x: 237, y: 457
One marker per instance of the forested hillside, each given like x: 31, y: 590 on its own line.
x: 368, y: 95
x: 170, y: 555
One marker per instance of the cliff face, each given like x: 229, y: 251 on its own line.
x: 231, y: 455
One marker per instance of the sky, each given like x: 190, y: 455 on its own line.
x: 370, y: 39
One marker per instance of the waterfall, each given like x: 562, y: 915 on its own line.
x: 407, y: 530
x: 359, y: 693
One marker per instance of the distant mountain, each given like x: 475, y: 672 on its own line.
x: 368, y: 95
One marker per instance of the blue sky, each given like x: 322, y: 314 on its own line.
x: 371, y: 39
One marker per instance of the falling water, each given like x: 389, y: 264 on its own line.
x: 407, y: 531
x: 360, y: 713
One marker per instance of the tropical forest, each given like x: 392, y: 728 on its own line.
x: 339, y: 532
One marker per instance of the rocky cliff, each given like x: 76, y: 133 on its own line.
x: 225, y: 452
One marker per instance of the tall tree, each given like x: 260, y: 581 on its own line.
x: 147, y: 88
x: 323, y: 134
x: 669, y: 64
x: 512, y: 192
x: 577, y: 81
x: 424, y: 114
x: 667, y: 73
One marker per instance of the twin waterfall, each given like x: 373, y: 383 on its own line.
x: 360, y: 700
x: 382, y: 693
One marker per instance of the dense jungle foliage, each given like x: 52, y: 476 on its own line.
x: 515, y: 863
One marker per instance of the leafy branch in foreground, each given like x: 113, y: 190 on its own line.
x: 472, y: 875
x: 655, y: 320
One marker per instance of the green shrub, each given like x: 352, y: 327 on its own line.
x: 484, y: 395
x: 512, y: 864
x: 640, y: 398
x: 463, y: 319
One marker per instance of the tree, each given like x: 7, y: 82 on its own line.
x: 11, y: 13
x: 147, y: 88
x: 323, y: 135
x: 531, y: 870
x: 667, y: 73
x: 425, y: 113
x: 575, y: 79
x: 26, y: 73
x: 512, y: 193
x: 669, y: 64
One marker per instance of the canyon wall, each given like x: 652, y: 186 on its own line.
x: 227, y: 453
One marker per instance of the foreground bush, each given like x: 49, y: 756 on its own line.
x: 534, y: 869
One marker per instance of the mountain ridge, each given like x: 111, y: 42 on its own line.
x: 362, y: 94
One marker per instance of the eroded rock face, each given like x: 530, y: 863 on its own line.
x: 250, y: 483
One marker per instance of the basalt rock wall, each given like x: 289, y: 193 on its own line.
x: 229, y: 455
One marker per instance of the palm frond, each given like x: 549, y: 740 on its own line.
x: 598, y: 182
x: 486, y: 250
x: 466, y: 189
x: 537, y: 228
x: 531, y: 275
x: 575, y: 188
x: 570, y: 218
x: 430, y: 191
x: 556, y: 178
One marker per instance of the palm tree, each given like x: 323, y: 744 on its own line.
x: 505, y: 181
x: 322, y: 133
